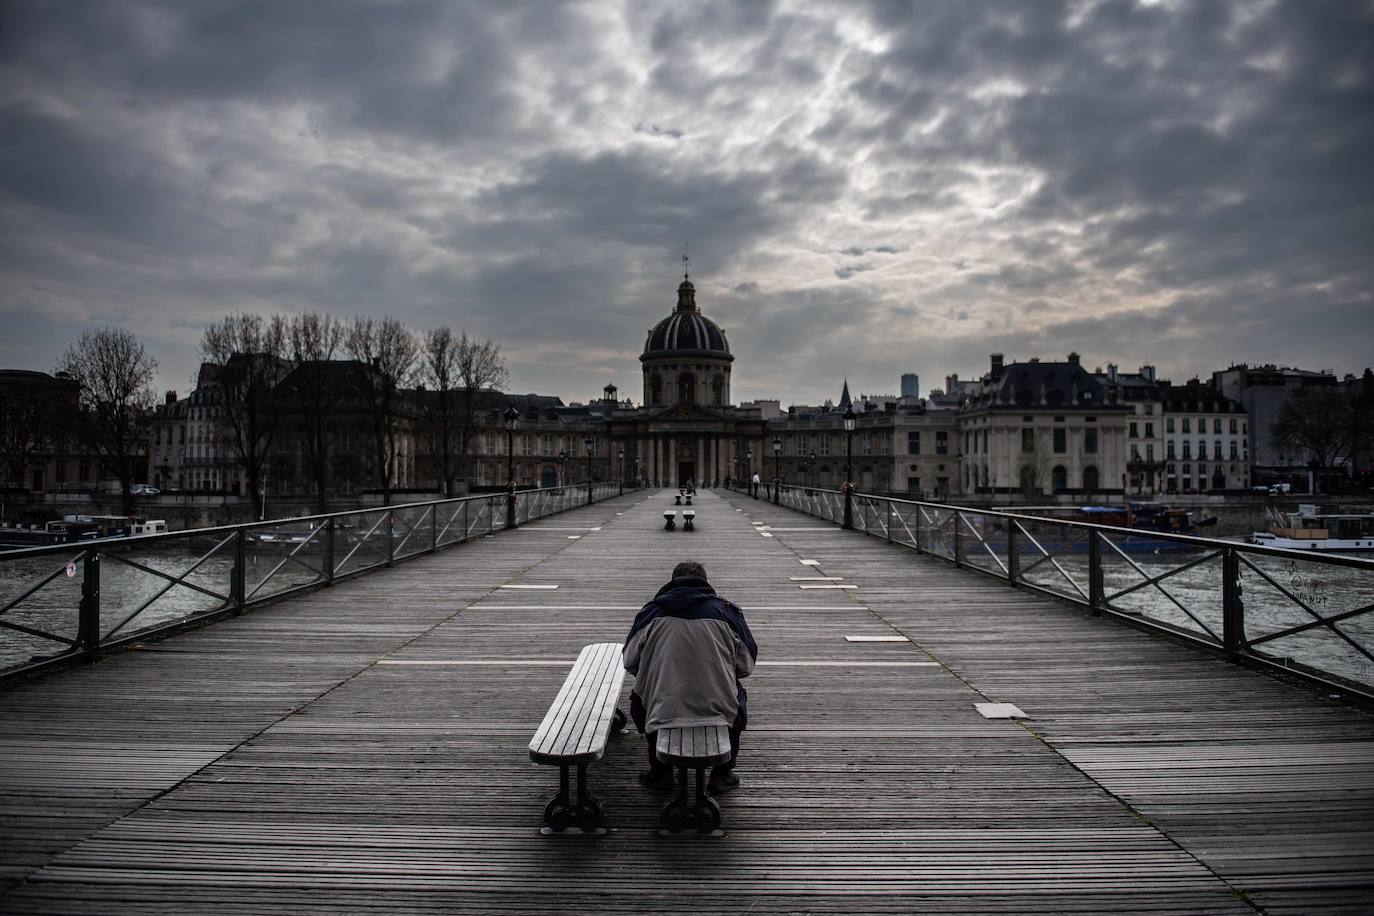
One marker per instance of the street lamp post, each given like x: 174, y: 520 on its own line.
x: 512, y: 416
x: 749, y: 472
x: 562, y: 478
x: 849, y: 420
x: 620, y: 455
x: 777, y: 468
x: 811, y: 465
x: 590, y: 443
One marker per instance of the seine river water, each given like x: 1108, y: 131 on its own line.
x: 1190, y: 598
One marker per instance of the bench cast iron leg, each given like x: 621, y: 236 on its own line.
x: 557, y: 811
x: 703, y: 813
x: 562, y: 812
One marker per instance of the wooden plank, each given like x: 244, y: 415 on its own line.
x: 271, y: 764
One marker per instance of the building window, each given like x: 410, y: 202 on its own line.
x: 1216, y: 424
x: 1187, y: 449
x: 1216, y: 450
x: 1135, y: 431
x: 1233, y: 426
x: 1234, y: 451
x: 1059, y: 478
x: 913, y: 443
x: 1168, y: 424
x: 1090, y: 478
x: 687, y: 388
x: 1090, y: 443
x: 655, y: 390
x: 942, y: 443
x: 913, y: 485
x: 718, y: 391
x: 1027, y: 439
x: 1187, y: 424
x: 1061, y: 440
x: 1149, y: 430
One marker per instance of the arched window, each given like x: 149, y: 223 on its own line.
x: 1090, y: 480
x: 1028, y: 484
x: 1059, y: 478
x: 718, y: 391
x: 655, y: 389
x: 686, y: 388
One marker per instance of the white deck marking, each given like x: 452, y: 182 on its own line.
x: 808, y: 663
x: 876, y: 639
x: 574, y: 537
x: 532, y: 587
x: 1000, y: 711
x: 765, y: 534
x: 511, y: 662
x: 816, y: 578
x: 847, y: 587
x: 551, y: 662
x: 810, y: 562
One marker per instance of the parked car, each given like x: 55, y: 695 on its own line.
x: 143, y: 489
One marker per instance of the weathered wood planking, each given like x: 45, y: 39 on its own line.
x: 298, y: 775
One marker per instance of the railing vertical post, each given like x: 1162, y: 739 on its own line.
x: 329, y: 551
x: 958, y: 542
x: 238, y: 586
x: 433, y: 527
x: 889, y: 521
x: 1095, y: 589
x: 1013, y: 555
x: 1232, y: 608
x: 466, y: 503
x: 390, y: 535
x: 919, y: 514
x: 89, y: 624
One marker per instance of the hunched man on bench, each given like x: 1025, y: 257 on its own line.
x: 688, y: 650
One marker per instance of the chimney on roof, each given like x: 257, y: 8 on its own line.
x: 1073, y: 358
x: 171, y: 398
x: 951, y: 383
x: 1111, y: 371
x: 997, y: 359
x: 1147, y: 372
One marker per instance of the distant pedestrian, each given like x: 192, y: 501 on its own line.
x: 754, y: 484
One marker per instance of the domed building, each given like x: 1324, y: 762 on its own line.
x: 688, y: 429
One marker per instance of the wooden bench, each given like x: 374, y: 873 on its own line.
x: 574, y: 733
x: 694, y: 748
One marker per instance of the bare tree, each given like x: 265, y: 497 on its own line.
x: 387, y: 352
x: 315, y: 341
x: 251, y: 351
x: 454, y: 372
x: 481, y: 368
x: 1316, y: 422
x: 116, y: 378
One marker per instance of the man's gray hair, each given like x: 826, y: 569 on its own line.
x: 689, y: 569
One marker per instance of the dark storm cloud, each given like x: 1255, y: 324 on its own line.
x: 866, y: 189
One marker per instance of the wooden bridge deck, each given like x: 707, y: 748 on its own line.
x: 363, y: 748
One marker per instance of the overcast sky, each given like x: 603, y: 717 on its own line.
x: 866, y: 189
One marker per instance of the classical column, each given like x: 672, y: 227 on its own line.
x: 701, y: 457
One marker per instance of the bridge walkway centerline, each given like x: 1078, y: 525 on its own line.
x: 388, y: 767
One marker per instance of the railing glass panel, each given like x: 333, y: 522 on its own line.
x: 1309, y: 613
x: 1174, y: 584
x: 40, y: 605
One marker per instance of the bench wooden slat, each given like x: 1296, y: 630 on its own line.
x: 575, y: 728
x: 697, y: 746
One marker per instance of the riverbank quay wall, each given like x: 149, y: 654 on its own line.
x: 365, y: 747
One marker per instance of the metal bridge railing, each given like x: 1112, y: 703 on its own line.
x: 1310, y: 614
x: 74, y: 600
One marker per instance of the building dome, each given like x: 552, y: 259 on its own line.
x: 686, y: 330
